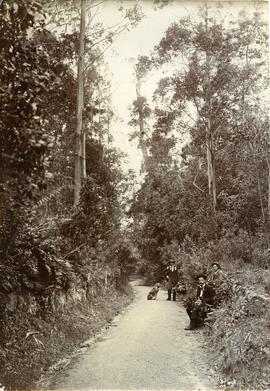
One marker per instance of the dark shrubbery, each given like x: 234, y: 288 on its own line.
x: 238, y: 332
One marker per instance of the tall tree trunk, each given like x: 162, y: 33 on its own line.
x: 211, y: 172
x: 259, y: 186
x: 83, y: 154
x: 141, y: 126
x: 79, y: 154
x: 210, y: 152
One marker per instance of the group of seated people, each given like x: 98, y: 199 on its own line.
x: 199, y: 306
x: 206, y: 297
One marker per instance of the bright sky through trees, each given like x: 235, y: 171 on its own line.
x: 140, y: 41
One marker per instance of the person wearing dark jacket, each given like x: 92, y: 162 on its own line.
x: 197, y: 310
x: 172, y: 278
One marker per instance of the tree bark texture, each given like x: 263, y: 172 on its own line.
x: 210, y: 153
x: 79, y: 137
x: 141, y: 126
x: 211, y: 172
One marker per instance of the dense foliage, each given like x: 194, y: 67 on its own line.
x: 54, y: 254
x: 38, y: 92
x: 205, y: 194
x: 216, y: 93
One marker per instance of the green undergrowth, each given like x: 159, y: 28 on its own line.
x: 239, y: 333
x: 35, y: 345
x: 238, y: 329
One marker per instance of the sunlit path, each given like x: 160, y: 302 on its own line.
x: 148, y: 349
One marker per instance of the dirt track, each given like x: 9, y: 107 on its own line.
x: 147, y: 349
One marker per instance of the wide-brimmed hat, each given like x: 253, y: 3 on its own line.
x: 217, y: 264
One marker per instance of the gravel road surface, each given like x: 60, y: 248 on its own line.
x: 146, y: 348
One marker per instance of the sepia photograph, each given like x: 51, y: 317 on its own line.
x: 134, y: 195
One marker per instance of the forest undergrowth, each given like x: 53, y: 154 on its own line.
x: 40, y: 347
x: 238, y: 330
x: 73, y: 223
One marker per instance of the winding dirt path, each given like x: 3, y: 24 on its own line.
x: 148, y: 349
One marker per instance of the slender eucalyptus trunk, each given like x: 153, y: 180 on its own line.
x: 83, y: 155
x: 141, y: 126
x: 79, y: 138
x: 259, y: 186
x: 211, y: 172
x: 210, y: 152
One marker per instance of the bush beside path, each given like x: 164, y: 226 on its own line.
x: 43, y: 346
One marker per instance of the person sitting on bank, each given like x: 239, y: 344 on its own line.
x: 216, y: 276
x: 172, y: 280
x: 197, y: 309
x: 218, y: 280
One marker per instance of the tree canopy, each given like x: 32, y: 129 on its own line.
x: 210, y: 100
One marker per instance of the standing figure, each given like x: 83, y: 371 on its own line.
x: 197, y: 309
x: 172, y: 280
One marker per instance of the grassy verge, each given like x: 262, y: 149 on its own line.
x: 36, y: 344
x: 239, y: 333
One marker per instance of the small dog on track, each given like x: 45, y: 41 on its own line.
x: 152, y: 295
